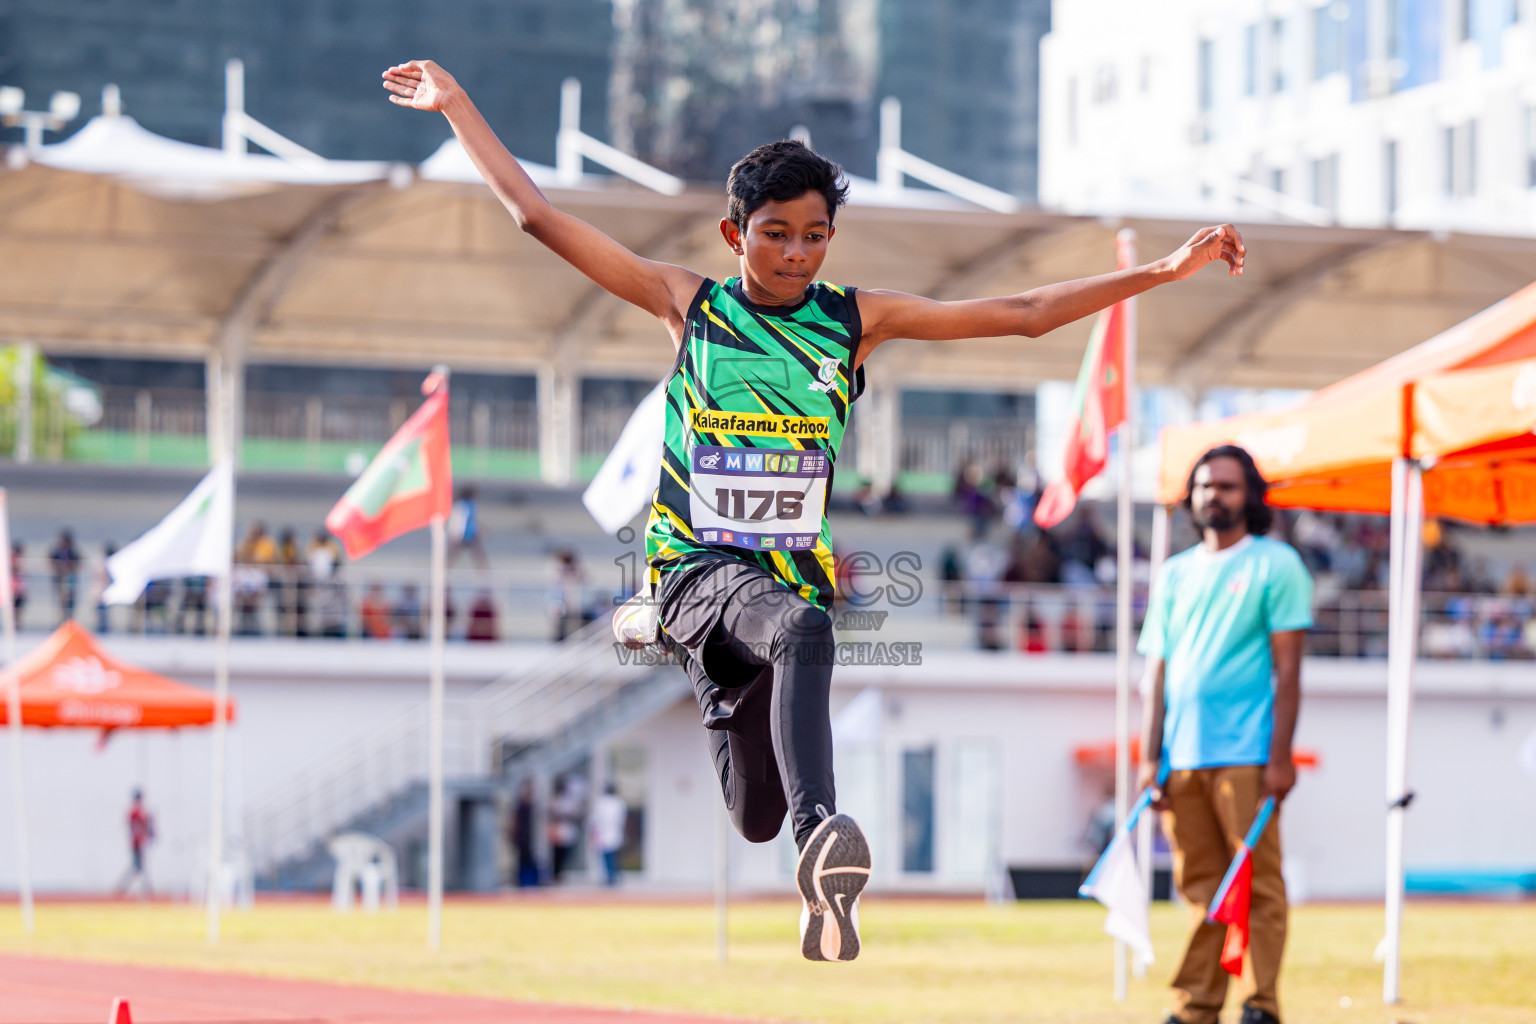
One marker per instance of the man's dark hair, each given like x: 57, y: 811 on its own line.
x: 779, y: 171
x: 1256, y: 510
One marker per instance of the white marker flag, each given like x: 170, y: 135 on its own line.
x: 627, y: 480
x: 1117, y: 885
x: 196, y: 539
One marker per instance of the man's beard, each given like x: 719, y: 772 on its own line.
x: 1215, y: 517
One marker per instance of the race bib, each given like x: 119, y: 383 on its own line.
x: 758, y: 498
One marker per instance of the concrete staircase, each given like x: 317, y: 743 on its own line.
x: 531, y: 723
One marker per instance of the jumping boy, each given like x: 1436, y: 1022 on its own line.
x: 739, y: 550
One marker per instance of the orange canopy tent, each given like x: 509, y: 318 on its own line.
x: 1443, y: 429
x: 1462, y: 403
x: 71, y: 681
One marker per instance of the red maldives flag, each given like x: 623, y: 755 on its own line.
x: 1233, y: 912
x: 1098, y: 407
x: 407, y: 485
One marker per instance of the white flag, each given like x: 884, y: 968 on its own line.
x: 196, y: 539
x: 627, y: 480
x: 1116, y: 883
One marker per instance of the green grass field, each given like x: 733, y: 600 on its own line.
x: 924, y: 961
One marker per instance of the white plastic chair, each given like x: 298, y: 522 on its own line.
x: 363, y: 862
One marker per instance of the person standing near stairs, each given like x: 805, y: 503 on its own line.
x: 738, y: 545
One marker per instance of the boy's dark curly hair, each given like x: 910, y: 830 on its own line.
x: 779, y: 171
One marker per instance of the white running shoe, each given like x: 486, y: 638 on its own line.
x: 833, y: 871
x: 635, y: 622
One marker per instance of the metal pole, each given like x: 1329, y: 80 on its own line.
x: 13, y: 714
x: 435, y: 738
x: 1402, y: 656
x: 220, y: 740
x: 1144, y: 826
x: 1125, y: 243
x: 722, y: 883
x: 26, y: 413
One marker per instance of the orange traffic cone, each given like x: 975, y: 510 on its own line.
x: 120, y: 1014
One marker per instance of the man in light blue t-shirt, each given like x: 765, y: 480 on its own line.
x: 1223, y: 640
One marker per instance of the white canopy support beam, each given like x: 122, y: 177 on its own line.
x: 892, y: 162
x: 240, y: 127
x: 558, y: 406
x: 572, y: 145
x: 253, y: 303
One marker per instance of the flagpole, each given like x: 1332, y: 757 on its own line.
x: 1125, y: 242
x: 13, y: 713
x: 722, y: 883
x: 1145, y: 824
x: 435, y: 736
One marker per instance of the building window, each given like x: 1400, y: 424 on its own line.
x: 1106, y: 84
x: 1250, y: 60
x: 1277, y: 55
x: 1530, y: 147
x: 1460, y: 144
x: 1464, y: 15
x: 1277, y: 180
x: 1514, y: 12
x: 1207, y: 72
x: 1325, y: 184
x: 917, y: 817
x: 1072, y: 111
x: 1328, y: 39
x: 1389, y: 176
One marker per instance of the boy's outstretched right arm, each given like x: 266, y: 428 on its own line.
x: 661, y: 289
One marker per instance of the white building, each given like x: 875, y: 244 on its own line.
x: 1418, y: 114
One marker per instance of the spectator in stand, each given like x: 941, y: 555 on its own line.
x: 408, y: 613
x: 482, y: 619
x: 951, y: 581
x: 194, y: 605
x: 155, y: 607
x: 287, y: 567
x: 606, y: 830
x: 971, y: 498
x: 330, y: 592
x: 464, y: 529
x: 254, y: 557
x: 66, y: 573
x: 18, y: 581
x: 375, y: 613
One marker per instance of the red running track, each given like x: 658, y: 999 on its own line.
x: 40, y: 991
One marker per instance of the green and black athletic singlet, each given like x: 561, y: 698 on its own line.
x: 757, y: 403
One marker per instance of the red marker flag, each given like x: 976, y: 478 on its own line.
x: 1098, y: 407
x: 1230, y: 906
x: 1233, y: 912
x: 407, y: 485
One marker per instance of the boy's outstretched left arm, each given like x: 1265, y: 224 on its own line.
x: 888, y: 314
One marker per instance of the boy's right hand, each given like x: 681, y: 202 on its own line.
x: 420, y: 85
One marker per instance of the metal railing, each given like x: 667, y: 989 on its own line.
x: 360, y: 602
x: 1059, y: 618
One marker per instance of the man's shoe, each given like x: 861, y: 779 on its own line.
x: 1254, y: 1015
x: 833, y: 870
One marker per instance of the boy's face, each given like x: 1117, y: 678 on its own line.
x: 782, y: 247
